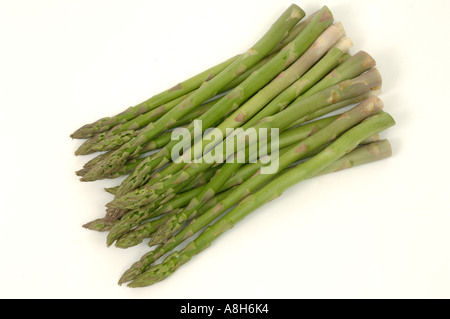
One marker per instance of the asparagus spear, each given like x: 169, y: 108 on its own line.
x: 286, y: 139
x: 174, y: 168
x: 131, y: 218
x: 224, y: 175
x: 173, y: 224
x: 208, y: 89
x: 368, y: 153
x: 314, y: 53
x: 122, y: 133
x: 113, y: 214
x: 146, y: 229
x: 373, y: 150
x: 185, y: 87
x: 343, y: 145
x: 350, y: 68
x: 251, y: 85
x: 294, y: 153
x: 175, y: 93
x: 345, y: 90
x: 334, y: 107
x: 354, y: 66
x: 320, y: 46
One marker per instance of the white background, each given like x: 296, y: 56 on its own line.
x: 375, y: 231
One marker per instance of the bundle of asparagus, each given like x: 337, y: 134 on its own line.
x: 284, y: 90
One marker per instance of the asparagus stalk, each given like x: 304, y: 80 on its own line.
x: 318, y: 49
x: 131, y: 163
x: 146, y: 229
x: 153, y: 210
x: 361, y: 155
x: 334, y: 107
x: 137, y: 236
x: 314, y: 53
x: 343, y: 145
x: 173, y: 224
x: 345, y: 90
x: 131, y: 218
x: 334, y: 57
x: 293, y: 33
x: 116, y: 213
x: 350, y: 68
x: 295, y: 153
x: 286, y: 139
x: 242, y: 77
x: 122, y: 133
x: 224, y: 176
x: 360, y: 94
x: 251, y: 85
x: 113, y: 214
x: 208, y: 89
x: 373, y: 151
x: 180, y: 90
x: 354, y: 66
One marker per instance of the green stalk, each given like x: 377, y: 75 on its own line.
x: 131, y: 218
x: 200, y: 180
x: 374, y: 151
x: 302, y: 106
x: 231, y: 101
x: 354, y: 66
x: 314, y: 53
x: 187, y: 87
x: 122, y: 133
x: 316, y: 80
x: 134, y: 217
x: 145, y: 230
x: 345, y: 90
x: 362, y: 155
x: 179, y: 90
x: 294, y: 153
x: 307, y: 113
x: 173, y: 223
x: 226, y: 175
x: 334, y: 107
x: 207, y: 90
x: 318, y: 49
x: 345, y: 144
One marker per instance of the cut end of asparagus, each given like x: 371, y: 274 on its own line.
x: 340, y: 26
x: 375, y: 78
x: 371, y: 78
x: 376, y: 92
x: 367, y: 60
x: 344, y: 44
